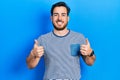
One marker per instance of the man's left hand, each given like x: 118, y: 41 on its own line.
x: 85, y: 49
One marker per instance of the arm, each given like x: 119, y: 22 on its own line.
x: 87, y: 53
x: 32, y: 60
x: 34, y: 56
x: 89, y: 59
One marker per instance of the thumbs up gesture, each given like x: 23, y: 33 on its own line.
x: 38, y: 51
x: 85, y: 49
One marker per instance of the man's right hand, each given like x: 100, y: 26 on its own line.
x: 37, y: 51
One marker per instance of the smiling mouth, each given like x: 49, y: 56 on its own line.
x: 59, y: 22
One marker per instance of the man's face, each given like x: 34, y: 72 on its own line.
x: 60, y: 18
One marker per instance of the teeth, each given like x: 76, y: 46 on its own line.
x: 59, y: 23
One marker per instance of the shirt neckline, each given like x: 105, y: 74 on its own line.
x: 61, y: 36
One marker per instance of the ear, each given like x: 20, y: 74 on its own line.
x: 68, y: 18
x: 51, y: 17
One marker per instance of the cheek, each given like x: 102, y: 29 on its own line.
x: 55, y: 19
x: 66, y: 20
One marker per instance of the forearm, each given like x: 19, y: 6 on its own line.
x: 89, y: 60
x: 32, y: 60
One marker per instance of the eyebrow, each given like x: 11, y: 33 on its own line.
x: 64, y: 13
x: 55, y: 13
x: 58, y: 13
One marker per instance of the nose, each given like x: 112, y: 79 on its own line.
x: 59, y: 17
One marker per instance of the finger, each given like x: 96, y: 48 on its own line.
x: 40, y: 47
x: 40, y: 53
x: 83, y: 45
x: 83, y: 52
x: 87, y: 41
x: 84, y: 49
x: 40, y: 50
x: 36, y: 42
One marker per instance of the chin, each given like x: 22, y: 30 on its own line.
x: 59, y: 27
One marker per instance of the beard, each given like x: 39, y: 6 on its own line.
x: 60, y: 28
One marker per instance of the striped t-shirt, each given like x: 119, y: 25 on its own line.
x: 59, y: 63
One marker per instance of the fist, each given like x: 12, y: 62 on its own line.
x: 38, y: 51
x: 86, y: 49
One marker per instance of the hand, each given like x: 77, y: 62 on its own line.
x: 37, y: 51
x: 86, y: 49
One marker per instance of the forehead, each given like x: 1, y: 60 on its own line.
x: 60, y: 9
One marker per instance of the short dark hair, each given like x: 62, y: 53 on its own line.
x: 58, y: 4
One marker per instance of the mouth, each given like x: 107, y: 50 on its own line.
x: 59, y: 22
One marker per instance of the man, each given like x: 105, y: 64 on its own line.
x: 54, y: 46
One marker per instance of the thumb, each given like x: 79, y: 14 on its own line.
x: 87, y: 42
x: 36, y: 43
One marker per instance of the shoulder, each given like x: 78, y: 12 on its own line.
x: 44, y: 36
x: 77, y: 34
x: 78, y: 37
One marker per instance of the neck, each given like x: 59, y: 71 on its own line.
x: 61, y: 32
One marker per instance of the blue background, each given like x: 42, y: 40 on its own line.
x: 22, y: 21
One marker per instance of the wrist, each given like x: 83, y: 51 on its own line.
x: 91, y: 54
x: 32, y: 54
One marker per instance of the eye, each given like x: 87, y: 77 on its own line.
x: 55, y: 14
x: 64, y: 14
